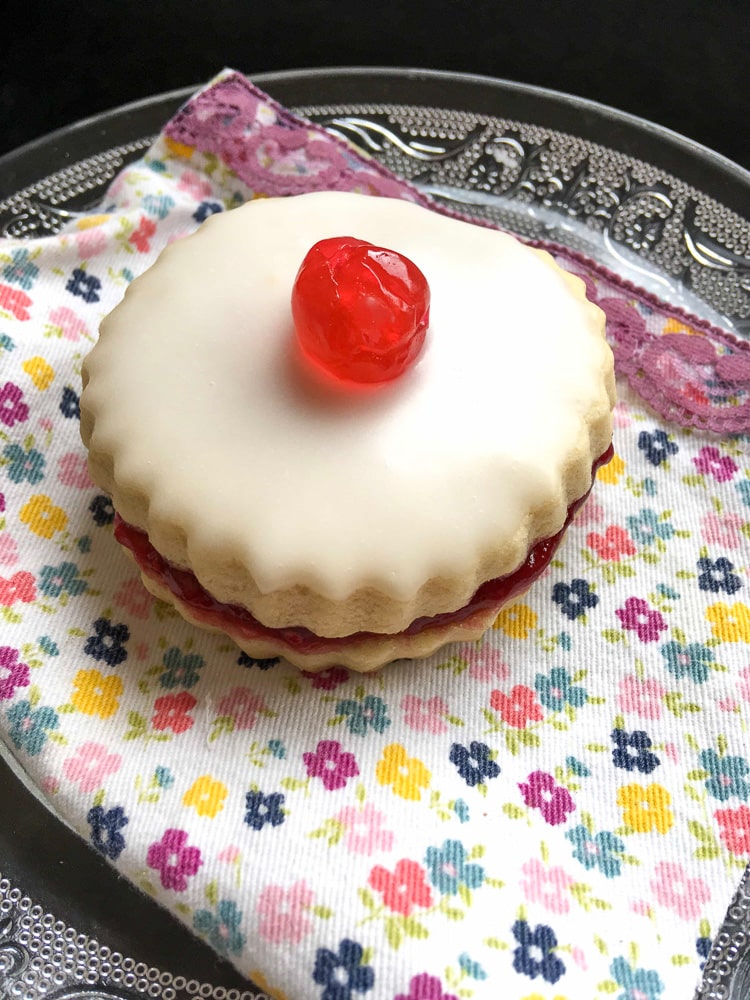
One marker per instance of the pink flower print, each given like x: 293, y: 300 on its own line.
x: 13, y: 673
x: 134, y: 598
x: 542, y: 792
x: 425, y: 987
x: 579, y: 958
x: 14, y: 301
x: 612, y: 545
x: 90, y: 765
x: 673, y: 889
x: 8, y: 550
x: 486, y: 664
x: 13, y: 410
x: 283, y: 913
x: 90, y: 242
x: 743, y: 684
x: 71, y: 326
x: 173, y: 859
x: 365, y: 833
x: 636, y: 616
x: 642, y: 697
x: 710, y: 462
x: 621, y: 416
x: 196, y: 186
x: 140, y: 237
x: 331, y: 764
x: 548, y: 886
x: 72, y: 470
x: 243, y: 706
x: 722, y: 529
x: 591, y: 512
x: 20, y: 587
x: 327, y: 680
x: 229, y: 854
x: 425, y: 714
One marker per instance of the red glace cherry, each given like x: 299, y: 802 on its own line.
x: 360, y: 311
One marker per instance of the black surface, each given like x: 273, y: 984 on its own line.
x: 680, y: 63
x: 58, y: 870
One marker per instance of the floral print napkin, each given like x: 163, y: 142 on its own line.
x: 558, y: 811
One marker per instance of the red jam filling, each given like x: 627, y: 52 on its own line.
x: 240, y: 623
x: 360, y: 311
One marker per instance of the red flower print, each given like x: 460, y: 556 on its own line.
x: 141, y: 236
x: 171, y: 712
x: 174, y: 859
x: 612, y: 545
x: 735, y: 829
x: 636, y: 616
x: 404, y: 888
x: 518, y: 708
x: 542, y: 792
x: 15, y: 301
x: 327, y: 680
x: 20, y: 587
x: 331, y: 764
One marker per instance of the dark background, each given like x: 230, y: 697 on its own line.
x: 681, y: 63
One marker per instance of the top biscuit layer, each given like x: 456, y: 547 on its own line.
x: 346, y: 511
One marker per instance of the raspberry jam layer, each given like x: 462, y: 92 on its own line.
x: 240, y: 623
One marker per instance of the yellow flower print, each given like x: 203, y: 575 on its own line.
x: 42, y: 516
x: 180, y: 149
x: 611, y: 472
x: 516, y: 621
x: 261, y: 982
x: 89, y: 221
x: 646, y: 808
x: 40, y: 373
x: 730, y: 624
x: 675, y: 326
x: 206, y: 796
x: 95, y: 694
x: 407, y: 775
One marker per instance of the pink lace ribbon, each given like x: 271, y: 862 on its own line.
x: 689, y: 371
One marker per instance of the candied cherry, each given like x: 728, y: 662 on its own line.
x: 360, y: 311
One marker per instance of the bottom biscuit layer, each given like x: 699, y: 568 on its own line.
x: 361, y: 651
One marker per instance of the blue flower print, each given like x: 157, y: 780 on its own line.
x: 693, y: 660
x: 205, y: 209
x: 703, y: 949
x: 656, y: 446
x: 371, y: 712
x: 449, y: 870
x: 474, y: 762
x: 107, y: 642
x: 70, y: 404
x: 222, y: 929
x: 102, y: 510
x: 342, y: 973
x: 632, y: 751
x: 639, y: 984
x: 182, y: 669
x: 63, y: 579
x: 743, y: 488
x: 245, y: 660
x: 557, y: 690
x: 726, y: 776
x: 23, y: 465
x: 29, y: 726
x: 602, y: 850
x: 262, y: 809
x: 21, y: 270
x: 717, y: 576
x: 530, y: 944
x: 159, y: 206
x: 163, y: 777
x: 647, y: 527
x: 86, y: 286
x: 105, y: 830
x: 574, y: 598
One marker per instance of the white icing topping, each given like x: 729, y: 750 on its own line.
x: 199, y: 393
